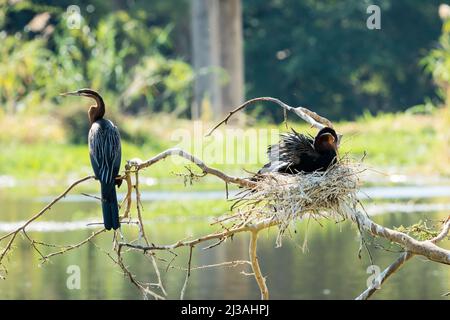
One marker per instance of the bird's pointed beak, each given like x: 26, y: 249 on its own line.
x: 74, y: 93
x: 338, y: 142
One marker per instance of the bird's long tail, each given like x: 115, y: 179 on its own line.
x: 109, y: 206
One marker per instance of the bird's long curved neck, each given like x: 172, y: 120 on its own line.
x: 98, y: 111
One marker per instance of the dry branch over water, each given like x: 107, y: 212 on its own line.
x: 270, y: 200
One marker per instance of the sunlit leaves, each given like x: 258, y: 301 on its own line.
x: 118, y: 54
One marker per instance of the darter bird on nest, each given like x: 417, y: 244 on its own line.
x: 105, y: 153
x: 301, y: 153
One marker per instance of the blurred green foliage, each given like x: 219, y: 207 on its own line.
x: 437, y: 62
x: 119, y: 53
x: 314, y: 53
x: 420, y: 231
x: 24, y: 70
x: 321, y: 54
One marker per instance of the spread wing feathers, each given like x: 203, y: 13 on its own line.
x: 105, y: 151
x: 291, y: 147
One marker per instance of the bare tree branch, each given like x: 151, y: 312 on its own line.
x: 74, y: 246
x: 426, y: 248
x: 309, y: 116
x: 219, y: 235
x: 255, y: 267
x: 14, y: 233
x: 139, y: 165
x: 397, y: 264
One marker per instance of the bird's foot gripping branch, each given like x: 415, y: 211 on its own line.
x: 270, y: 200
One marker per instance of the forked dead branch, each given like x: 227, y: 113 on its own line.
x: 271, y: 200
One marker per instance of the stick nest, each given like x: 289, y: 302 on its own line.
x: 286, y: 198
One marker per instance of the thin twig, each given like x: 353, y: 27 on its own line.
x: 188, y: 273
x: 309, y: 116
x: 74, y: 246
x: 14, y: 233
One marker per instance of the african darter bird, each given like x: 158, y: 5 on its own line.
x: 105, y: 153
x: 300, y: 153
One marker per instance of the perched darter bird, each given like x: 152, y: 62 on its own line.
x: 105, y: 153
x: 301, y: 153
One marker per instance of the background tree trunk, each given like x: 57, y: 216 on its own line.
x: 231, y: 53
x: 217, y: 47
x: 205, y: 47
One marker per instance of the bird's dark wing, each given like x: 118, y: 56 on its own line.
x: 105, y: 150
x: 291, y: 148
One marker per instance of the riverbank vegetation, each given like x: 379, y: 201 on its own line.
x: 41, y: 147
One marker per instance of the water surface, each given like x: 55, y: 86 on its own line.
x: 328, y: 269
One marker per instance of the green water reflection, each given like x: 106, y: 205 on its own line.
x: 329, y: 269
